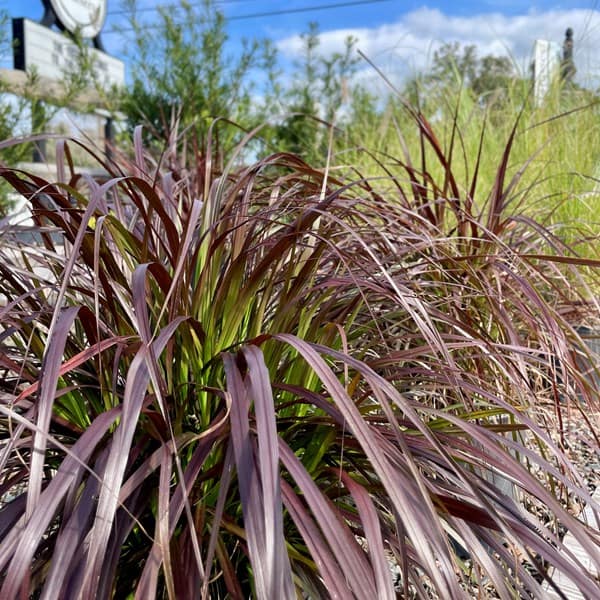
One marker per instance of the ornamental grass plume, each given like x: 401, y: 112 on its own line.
x: 275, y: 382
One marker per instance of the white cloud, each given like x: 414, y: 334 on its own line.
x: 407, y: 45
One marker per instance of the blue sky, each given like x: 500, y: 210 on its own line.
x: 399, y: 35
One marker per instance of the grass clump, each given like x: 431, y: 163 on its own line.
x: 274, y: 381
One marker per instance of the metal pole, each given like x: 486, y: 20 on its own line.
x: 108, y: 137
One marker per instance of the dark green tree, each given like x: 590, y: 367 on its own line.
x: 495, y: 75
x: 452, y: 62
x: 488, y: 77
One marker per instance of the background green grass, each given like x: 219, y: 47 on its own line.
x: 555, y: 152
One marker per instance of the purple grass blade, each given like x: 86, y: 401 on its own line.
x: 135, y: 392
x: 178, y: 501
x: 343, y: 544
x: 320, y: 551
x: 180, y: 497
x: 163, y: 533
x: 48, y: 383
x: 431, y: 547
x: 138, y: 147
x: 76, y: 361
x: 21, y: 544
x: 370, y: 522
x: 224, y: 484
x: 136, y: 388
x: 184, y: 249
x: 71, y: 537
x: 497, y: 196
x: 142, y: 319
x: 275, y: 556
x: 249, y: 483
x: 10, y: 513
x: 160, y: 552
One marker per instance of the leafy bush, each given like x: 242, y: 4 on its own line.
x: 272, y: 382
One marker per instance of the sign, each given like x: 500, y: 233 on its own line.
x: 53, y: 55
x: 85, y: 17
x: 546, y: 68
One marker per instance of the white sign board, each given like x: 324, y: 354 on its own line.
x: 546, y: 56
x: 85, y: 17
x: 53, y: 55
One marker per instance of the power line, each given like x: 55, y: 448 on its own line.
x: 143, y: 9
x: 272, y: 13
x: 289, y: 11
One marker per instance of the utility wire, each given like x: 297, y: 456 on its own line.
x: 142, y: 9
x: 272, y: 13
x: 290, y: 11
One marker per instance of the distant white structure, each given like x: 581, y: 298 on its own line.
x: 546, y: 68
